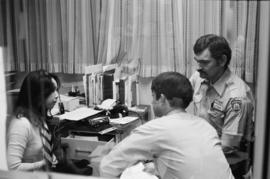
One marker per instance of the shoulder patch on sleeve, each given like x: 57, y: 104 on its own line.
x: 236, y: 104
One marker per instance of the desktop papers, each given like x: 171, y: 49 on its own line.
x: 78, y: 114
x: 138, y: 171
x: 123, y: 120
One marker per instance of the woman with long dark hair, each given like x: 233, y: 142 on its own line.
x: 29, y: 139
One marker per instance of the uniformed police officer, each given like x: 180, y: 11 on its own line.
x: 223, y: 99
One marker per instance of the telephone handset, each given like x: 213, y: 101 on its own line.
x: 107, y: 104
x: 115, y: 108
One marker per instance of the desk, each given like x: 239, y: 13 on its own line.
x: 89, y: 139
x: 81, y: 147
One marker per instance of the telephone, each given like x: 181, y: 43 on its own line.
x: 114, y: 107
x: 107, y: 104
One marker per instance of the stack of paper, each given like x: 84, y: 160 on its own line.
x: 123, y: 120
x: 78, y: 114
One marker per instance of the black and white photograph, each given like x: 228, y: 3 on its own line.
x: 134, y: 89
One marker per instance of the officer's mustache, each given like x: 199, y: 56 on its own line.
x: 201, y: 71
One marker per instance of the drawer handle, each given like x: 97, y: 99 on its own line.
x: 82, y: 151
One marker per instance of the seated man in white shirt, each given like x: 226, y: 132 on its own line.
x: 180, y: 144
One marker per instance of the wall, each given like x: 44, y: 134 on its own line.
x: 3, y: 165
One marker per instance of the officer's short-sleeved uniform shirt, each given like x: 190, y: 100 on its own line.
x: 227, y: 105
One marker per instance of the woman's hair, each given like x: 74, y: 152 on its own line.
x: 36, y: 88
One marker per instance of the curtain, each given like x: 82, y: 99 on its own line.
x: 240, y: 18
x: 161, y: 34
x: 26, y: 26
x: 158, y: 36
x: 78, y: 34
x: 200, y: 17
x: 162, y: 47
x: 26, y: 35
x: 57, y: 35
x: 147, y: 37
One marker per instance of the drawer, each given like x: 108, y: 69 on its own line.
x: 80, y: 148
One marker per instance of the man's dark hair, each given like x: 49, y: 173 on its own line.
x: 175, y: 87
x: 217, y: 46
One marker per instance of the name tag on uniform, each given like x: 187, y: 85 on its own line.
x: 217, y: 105
x: 216, y: 109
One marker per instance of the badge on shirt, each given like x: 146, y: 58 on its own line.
x: 236, y: 105
x: 217, y: 105
x: 216, y: 109
x: 216, y: 114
